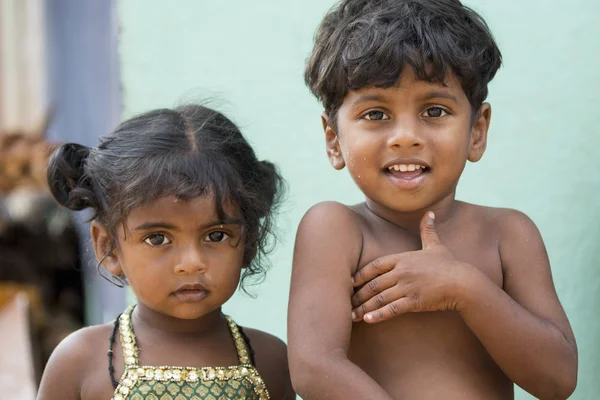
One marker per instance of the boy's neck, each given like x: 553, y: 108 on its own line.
x: 158, y: 322
x: 410, y: 221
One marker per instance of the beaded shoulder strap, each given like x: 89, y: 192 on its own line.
x: 131, y: 351
x: 134, y: 372
x: 128, y: 342
x: 240, y: 343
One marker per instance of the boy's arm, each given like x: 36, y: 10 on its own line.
x: 523, y: 327
x: 328, y: 246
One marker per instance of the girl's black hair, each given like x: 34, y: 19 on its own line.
x: 364, y: 43
x: 186, y: 152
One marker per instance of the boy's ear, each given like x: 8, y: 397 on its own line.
x: 104, y: 248
x: 479, y: 132
x: 332, y: 144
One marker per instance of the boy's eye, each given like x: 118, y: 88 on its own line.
x: 156, y: 239
x: 376, y: 116
x: 216, y: 236
x: 435, y: 112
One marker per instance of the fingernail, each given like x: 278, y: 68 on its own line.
x: 353, y: 315
x: 369, y: 317
x: 431, y: 218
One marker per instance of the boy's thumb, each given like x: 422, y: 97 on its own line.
x: 429, y: 236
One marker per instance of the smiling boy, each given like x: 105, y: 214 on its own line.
x: 413, y: 294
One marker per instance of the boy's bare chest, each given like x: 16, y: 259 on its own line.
x: 476, y: 247
x: 429, y: 341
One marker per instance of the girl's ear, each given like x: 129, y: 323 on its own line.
x: 104, y: 248
x: 332, y: 144
x: 479, y: 132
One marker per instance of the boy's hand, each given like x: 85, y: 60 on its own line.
x: 416, y: 281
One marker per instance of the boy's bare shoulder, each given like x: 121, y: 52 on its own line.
x: 76, y: 357
x: 501, y: 218
x: 327, y: 227
x: 505, y: 223
x: 332, y: 209
x: 332, y: 214
x: 270, y: 356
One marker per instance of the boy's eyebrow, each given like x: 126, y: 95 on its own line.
x: 378, y: 97
x: 368, y: 97
x: 438, y: 94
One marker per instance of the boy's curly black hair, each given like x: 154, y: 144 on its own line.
x: 186, y: 152
x: 364, y: 43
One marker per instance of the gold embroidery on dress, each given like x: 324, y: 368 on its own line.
x: 241, y: 381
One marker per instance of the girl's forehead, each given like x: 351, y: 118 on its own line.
x: 193, y: 210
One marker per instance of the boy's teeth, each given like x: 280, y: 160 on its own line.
x: 406, y: 167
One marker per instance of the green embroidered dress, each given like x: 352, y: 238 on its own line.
x: 138, y: 382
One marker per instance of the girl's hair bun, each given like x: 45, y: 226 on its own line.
x: 67, y: 177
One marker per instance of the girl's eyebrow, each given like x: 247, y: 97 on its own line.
x: 166, y: 225
x: 155, y: 225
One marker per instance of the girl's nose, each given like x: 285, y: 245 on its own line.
x: 192, y: 260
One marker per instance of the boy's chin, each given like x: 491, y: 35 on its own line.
x: 404, y: 203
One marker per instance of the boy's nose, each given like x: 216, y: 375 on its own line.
x: 191, y: 261
x: 405, y: 137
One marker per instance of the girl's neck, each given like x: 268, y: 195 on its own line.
x: 161, y: 323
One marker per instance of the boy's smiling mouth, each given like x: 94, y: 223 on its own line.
x: 406, y: 174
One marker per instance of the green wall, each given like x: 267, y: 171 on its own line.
x: 544, y: 138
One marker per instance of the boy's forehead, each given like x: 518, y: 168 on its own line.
x: 410, y: 85
x: 409, y: 79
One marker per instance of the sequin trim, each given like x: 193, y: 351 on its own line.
x: 135, y: 373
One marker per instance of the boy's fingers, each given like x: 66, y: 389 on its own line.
x: 389, y: 311
x: 372, y: 289
x: 376, y: 302
x: 429, y: 236
x: 373, y: 269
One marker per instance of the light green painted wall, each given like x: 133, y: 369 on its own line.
x: 542, y: 152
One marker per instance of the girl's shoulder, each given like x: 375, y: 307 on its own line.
x: 84, y: 344
x: 270, y: 357
x: 75, y: 362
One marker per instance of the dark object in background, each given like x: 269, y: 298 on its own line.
x: 39, y: 246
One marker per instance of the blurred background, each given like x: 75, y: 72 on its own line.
x: 71, y: 70
x: 59, y: 82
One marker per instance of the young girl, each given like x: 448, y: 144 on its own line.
x: 182, y: 208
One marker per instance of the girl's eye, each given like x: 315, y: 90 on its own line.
x: 216, y: 236
x: 435, y: 112
x: 156, y: 239
x: 376, y: 116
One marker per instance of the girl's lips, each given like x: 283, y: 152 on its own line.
x: 190, y: 295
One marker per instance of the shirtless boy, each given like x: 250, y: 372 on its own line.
x: 413, y: 294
